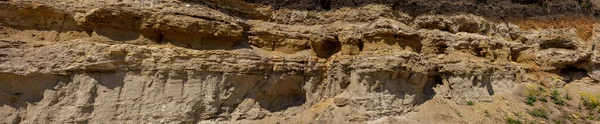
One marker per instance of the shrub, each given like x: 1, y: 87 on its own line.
x: 556, y: 99
x: 590, y: 116
x: 530, y: 100
x: 567, y: 97
x: 470, y: 103
x: 539, y: 112
x: 510, y: 120
x: 590, y: 101
x: 532, y: 94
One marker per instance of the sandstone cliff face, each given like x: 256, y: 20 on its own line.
x: 233, y: 61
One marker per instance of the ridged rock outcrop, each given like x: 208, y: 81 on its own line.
x: 237, y: 62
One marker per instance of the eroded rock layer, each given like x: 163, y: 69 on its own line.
x: 234, y: 61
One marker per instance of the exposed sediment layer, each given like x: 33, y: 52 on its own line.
x: 232, y: 61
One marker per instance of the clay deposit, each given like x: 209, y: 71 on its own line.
x: 299, y: 61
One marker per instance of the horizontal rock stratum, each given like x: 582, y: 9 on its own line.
x: 299, y: 61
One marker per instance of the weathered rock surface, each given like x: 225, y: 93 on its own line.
x: 230, y: 61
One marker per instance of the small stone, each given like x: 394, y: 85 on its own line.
x: 340, y: 102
